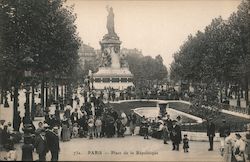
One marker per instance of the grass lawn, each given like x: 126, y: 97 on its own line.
x: 236, y: 123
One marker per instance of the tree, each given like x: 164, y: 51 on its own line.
x: 219, y: 55
x: 146, y: 69
x: 42, y: 30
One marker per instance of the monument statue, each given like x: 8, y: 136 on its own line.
x: 110, y: 22
x: 112, y: 65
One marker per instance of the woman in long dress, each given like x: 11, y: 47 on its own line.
x: 65, y: 131
x: 228, y: 149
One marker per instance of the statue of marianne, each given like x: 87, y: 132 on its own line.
x: 110, y: 21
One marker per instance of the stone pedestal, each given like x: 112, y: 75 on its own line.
x: 113, y: 71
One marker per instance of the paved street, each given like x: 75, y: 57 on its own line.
x: 115, y: 148
x: 101, y: 149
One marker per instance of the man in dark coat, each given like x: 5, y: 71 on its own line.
x: 5, y: 137
x: 175, y: 135
x: 210, y: 134
x: 53, y: 143
x: 17, y: 122
x: 168, y: 121
x: 74, y: 116
x: 41, y: 146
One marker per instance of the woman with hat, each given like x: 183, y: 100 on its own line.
x: 239, y: 148
x: 228, y: 145
x: 65, y: 133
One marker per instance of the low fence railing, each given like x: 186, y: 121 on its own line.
x: 234, y: 127
x: 237, y: 109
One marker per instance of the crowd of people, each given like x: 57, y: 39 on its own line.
x: 41, y: 140
x: 166, y: 129
x: 95, y: 119
x: 233, y: 149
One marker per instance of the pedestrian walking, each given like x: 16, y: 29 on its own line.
x: 165, y: 133
x: 224, y: 130
x: 185, y: 143
x: 211, y: 134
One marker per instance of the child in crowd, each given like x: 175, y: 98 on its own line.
x: 81, y: 132
x: 75, y: 130
x: 185, y: 143
x: 145, y: 127
x: 91, y: 124
x: 98, y: 127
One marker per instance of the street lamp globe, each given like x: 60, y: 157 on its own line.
x: 27, y: 61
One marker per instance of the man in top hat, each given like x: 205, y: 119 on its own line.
x: 175, y: 135
x: 210, y: 133
x: 53, y: 143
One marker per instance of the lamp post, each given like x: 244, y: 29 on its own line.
x: 27, y: 74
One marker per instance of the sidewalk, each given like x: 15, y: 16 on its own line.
x: 130, y: 148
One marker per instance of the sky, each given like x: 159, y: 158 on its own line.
x: 155, y: 27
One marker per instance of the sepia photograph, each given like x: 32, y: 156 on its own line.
x: 125, y: 80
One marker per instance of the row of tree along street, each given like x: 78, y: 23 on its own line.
x: 38, y: 46
x: 219, y: 56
